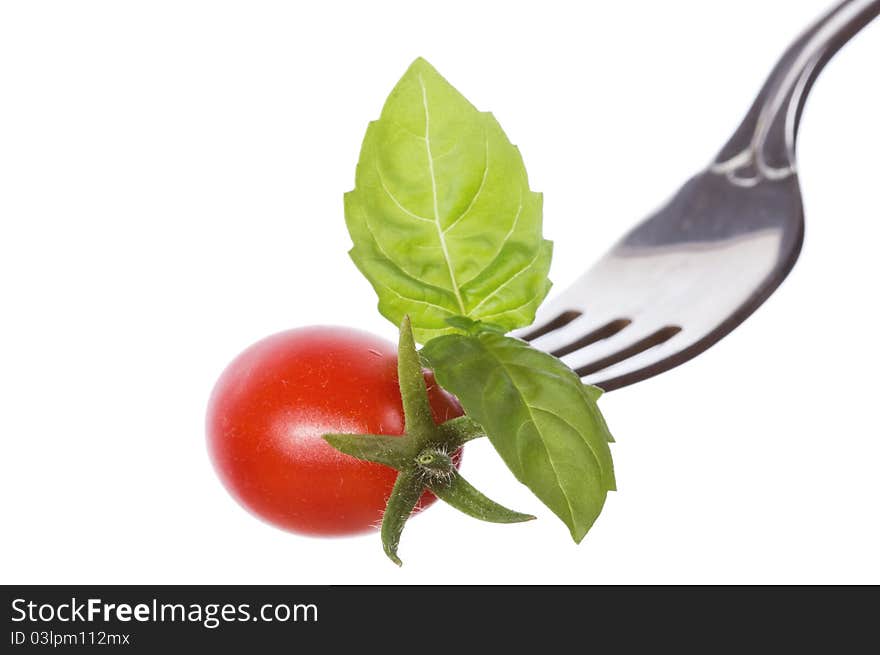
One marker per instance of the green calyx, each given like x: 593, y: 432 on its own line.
x: 435, y: 464
x: 423, y: 456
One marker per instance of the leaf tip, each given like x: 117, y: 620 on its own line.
x: 420, y: 64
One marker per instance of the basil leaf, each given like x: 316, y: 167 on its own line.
x: 442, y: 218
x: 593, y: 393
x: 536, y: 412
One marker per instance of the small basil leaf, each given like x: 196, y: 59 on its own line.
x: 538, y: 415
x: 442, y: 218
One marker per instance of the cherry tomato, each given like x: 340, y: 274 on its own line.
x: 270, y: 407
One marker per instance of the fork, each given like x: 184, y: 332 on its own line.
x: 687, y: 275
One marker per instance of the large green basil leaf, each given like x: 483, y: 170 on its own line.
x: 541, y: 419
x: 441, y: 217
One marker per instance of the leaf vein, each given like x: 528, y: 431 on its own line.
x: 501, y: 364
x: 404, y: 273
x: 507, y: 311
x: 416, y: 300
x: 497, y: 289
x: 394, y: 199
x: 531, y: 371
x: 503, y: 242
x: 440, y: 234
x: 477, y: 194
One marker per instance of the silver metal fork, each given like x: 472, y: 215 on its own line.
x: 689, y: 274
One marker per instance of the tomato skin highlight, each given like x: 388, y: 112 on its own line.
x: 270, y: 408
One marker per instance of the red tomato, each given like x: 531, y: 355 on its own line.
x: 274, y: 401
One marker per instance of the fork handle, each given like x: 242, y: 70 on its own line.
x: 763, y: 147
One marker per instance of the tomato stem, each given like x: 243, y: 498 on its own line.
x: 422, y: 456
x: 459, y: 493
x: 404, y: 496
x: 418, y: 419
x: 458, y: 431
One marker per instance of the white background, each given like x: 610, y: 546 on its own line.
x: 171, y: 179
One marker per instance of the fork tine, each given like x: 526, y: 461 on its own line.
x: 596, y: 335
x: 549, y: 323
x: 607, y: 376
x: 636, y: 338
x: 564, y: 323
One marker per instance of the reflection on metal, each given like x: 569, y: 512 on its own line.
x: 689, y: 274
